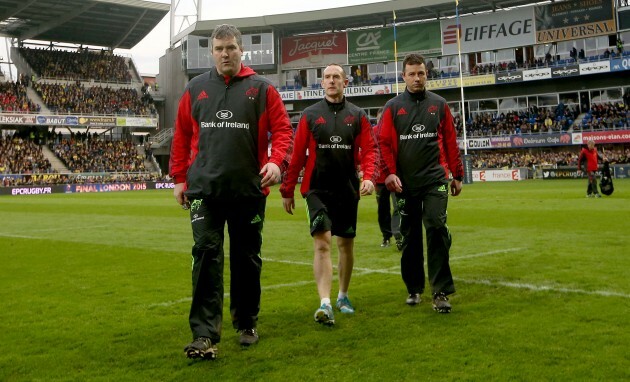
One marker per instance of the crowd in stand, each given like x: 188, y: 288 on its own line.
x: 545, y: 120
x: 22, y: 156
x: 13, y: 98
x: 534, y: 120
x: 606, y: 116
x: 98, y: 155
x: 75, y: 98
x: 83, y: 65
x: 532, y: 159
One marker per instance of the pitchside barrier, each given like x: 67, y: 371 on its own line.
x: 488, y: 175
x: 94, y: 187
x: 619, y: 171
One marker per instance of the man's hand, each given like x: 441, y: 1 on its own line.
x: 289, y: 205
x: 456, y: 187
x: 271, y: 174
x: 392, y: 182
x: 367, y: 187
x: 180, y: 197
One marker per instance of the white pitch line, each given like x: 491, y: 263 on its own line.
x: 544, y: 288
x: 481, y: 254
x: 364, y: 271
x: 64, y: 228
x: 227, y: 295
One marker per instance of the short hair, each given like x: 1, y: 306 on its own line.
x: 343, y: 71
x: 226, y: 31
x: 412, y: 59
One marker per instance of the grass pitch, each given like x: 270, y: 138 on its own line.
x: 96, y: 287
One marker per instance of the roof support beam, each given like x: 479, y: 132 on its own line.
x: 129, y: 30
x: 17, y: 10
x: 29, y: 34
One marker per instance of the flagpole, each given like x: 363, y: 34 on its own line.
x: 395, y: 53
x: 462, y: 116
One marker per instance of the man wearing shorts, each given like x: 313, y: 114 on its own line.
x: 332, y: 131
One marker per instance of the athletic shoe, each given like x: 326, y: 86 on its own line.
x: 324, y: 315
x: 344, y: 305
x: 248, y: 337
x: 598, y: 196
x: 414, y: 299
x: 589, y: 195
x: 440, y: 303
x: 399, y: 244
x: 385, y: 243
x: 202, y: 348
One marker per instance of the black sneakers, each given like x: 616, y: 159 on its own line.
x: 413, y: 299
x: 385, y: 243
x: 399, y: 241
x: 202, y: 348
x: 248, y: 337
x: 440, y: 303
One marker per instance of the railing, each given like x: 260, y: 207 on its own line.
x: 163, y: 136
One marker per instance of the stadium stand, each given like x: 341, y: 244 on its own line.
x: 20, y: 155
x: 13, y: 98
x: 75, y: 98
x: 85, y: 153
x: 83, y: 65
x: 488, y: 159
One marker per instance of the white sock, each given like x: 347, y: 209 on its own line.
x: 325, y: 301
x: 342, y: 295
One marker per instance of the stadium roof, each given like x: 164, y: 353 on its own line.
x: 357, y: 16
x: 105, y: 23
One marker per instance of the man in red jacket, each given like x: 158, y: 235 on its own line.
x: 589, y: 154
x: 418, y: 144
x: 332, y: 130
x: 388, y: 220
x: 222, y: 172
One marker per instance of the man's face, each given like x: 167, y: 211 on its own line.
x: 415, y: 77
x: 227, y: 55
x: 333, y: 81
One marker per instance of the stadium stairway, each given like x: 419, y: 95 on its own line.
x: 149, y: 164
x: 32, y: 94
x: 55, y: 162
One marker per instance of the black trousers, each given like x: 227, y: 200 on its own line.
x: 244, y: 218
x: 388, y: 221
x: 428, y: 207
x: 592, y: 183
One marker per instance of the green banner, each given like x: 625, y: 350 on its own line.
x: 377, y: 45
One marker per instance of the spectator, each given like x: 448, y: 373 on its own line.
x: 590, y: 155
x: 387, y: 212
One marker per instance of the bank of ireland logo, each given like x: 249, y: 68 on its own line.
x: 417, y: 128
x: 224, y: 114
x: 335, y: 139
